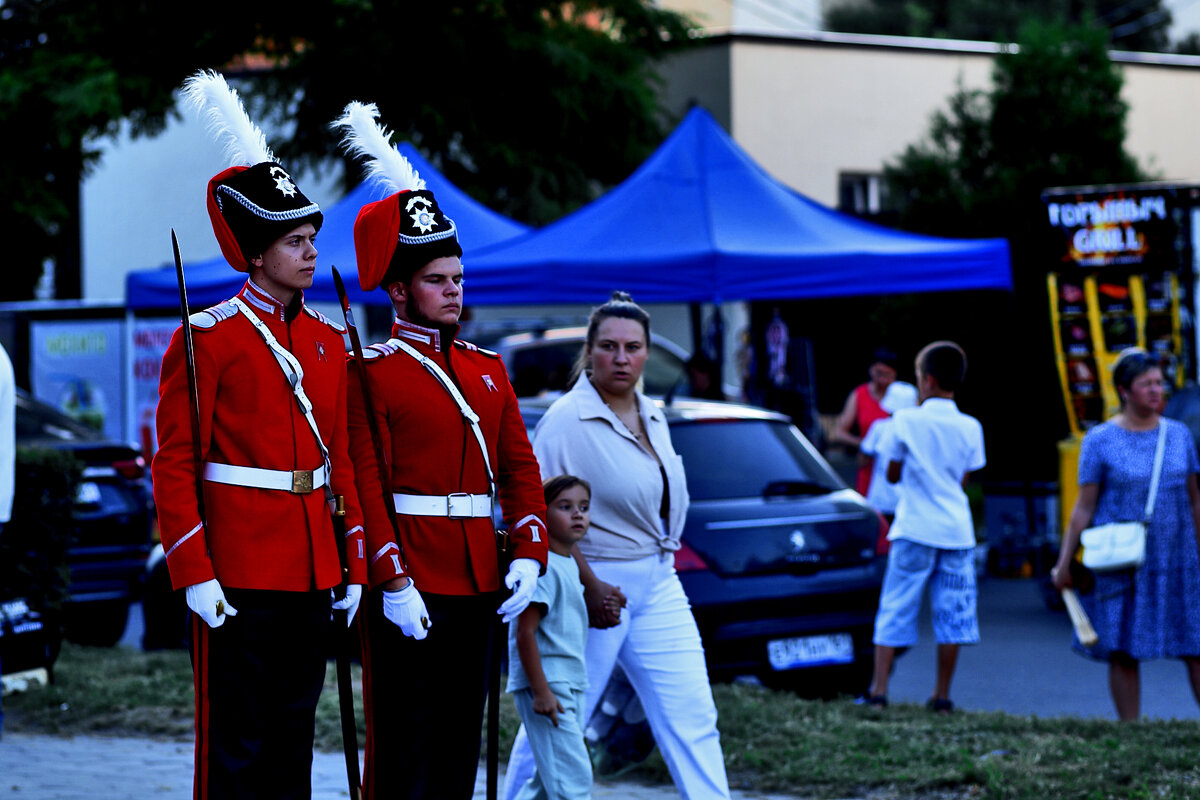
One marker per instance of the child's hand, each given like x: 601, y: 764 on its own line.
x: 612, y: 605
x: 604, y: 602
x: 546, y: 703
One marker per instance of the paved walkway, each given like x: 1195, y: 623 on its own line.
x: 99, y: 768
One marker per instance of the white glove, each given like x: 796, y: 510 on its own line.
x: 522, y: 579
x: 208, y: 600
x: 406, y: 610
x: 350, y: 602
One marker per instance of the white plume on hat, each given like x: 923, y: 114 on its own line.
x: 219, y: 105
x: 367, y: 138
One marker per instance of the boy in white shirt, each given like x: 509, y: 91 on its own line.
x: 933, y: 449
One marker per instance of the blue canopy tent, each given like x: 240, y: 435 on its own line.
x: 701, y: 221
x: 210, y: 282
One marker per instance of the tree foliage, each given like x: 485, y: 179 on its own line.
x: 70, y: 72
x: 1052, y: 117
x: 1140, y: 25
x: 528, y: 104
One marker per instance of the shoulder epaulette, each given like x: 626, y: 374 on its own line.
x: 378, y: 350
x: 209, y: 317
x: 312, y: 312
x: 475, y: 348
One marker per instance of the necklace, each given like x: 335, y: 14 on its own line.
x: 636, y: 415
x: 632, y: 432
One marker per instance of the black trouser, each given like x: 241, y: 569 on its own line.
x: 258, y: 677
x: 424, y: 699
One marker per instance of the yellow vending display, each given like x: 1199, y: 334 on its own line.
x: 1122, y: 265
x: 1094, y: 318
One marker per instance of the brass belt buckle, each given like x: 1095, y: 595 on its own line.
x: 302, y: 481
x: 450, y: 505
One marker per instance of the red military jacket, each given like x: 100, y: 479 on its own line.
x: 255, y: 538
x: 431, y: 450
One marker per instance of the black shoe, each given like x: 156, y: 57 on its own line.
x: 940, y: 705
x: 873, y: 700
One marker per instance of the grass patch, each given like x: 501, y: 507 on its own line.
x: 773, y: 741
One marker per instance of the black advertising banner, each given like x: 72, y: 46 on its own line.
x: 1111, y: 226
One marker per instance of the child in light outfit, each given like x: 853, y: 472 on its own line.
x: 882, y: 494
x: 546, y: 673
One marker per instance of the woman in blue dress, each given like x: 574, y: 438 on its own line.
x: 1152, y: 611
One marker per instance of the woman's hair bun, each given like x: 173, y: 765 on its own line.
x: 621, y: 297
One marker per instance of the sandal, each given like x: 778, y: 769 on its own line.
x: 940, y: 705
x: 873, y: 700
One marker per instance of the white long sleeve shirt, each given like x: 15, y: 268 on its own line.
x: 581, y: 436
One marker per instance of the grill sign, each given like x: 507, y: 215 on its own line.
x: 1118, y: 227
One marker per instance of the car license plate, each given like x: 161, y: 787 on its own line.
x: 810, y: 651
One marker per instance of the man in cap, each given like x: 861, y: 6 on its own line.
x: 454, y: 442
x: 257, y: 554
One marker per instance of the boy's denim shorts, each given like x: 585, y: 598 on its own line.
x: 950, y: 575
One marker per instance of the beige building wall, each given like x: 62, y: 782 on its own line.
x: 1164, y: 114
x: 809, y: 107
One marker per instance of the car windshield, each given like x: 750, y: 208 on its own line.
x: 748, y: 458
x: 546, y: 366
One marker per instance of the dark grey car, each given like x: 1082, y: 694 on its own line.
x: 781, y: 561
x: 112, y: 514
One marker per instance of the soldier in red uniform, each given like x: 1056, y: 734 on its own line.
x: 258, y: 571
x: 454, y: 443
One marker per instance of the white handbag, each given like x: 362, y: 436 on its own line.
x: 1122, y: 545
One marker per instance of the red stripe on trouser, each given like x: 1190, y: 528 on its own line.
x: 200, y: 633
x: 368, y: 776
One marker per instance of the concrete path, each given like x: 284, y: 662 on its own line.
x: 99, y: 768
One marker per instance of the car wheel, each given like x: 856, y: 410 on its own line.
x: 100, y: 624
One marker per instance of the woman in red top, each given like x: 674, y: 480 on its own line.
x: 862, y: 409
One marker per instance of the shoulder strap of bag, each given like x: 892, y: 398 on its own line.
x: 292, y: 372
x: 467, y: 412
x: 1158, y: 459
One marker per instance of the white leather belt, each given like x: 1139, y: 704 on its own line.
x: 456, y: 506
x: 300, y: 481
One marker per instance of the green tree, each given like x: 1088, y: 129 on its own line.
x: 70, y: 72
x: 530, y: 105
x: 1053, y: 117
x: 1140, y: 25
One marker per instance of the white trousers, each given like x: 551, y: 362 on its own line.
x: 658, y: 646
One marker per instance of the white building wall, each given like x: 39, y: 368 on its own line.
x: 808, y: 113
x: 1163, y: 116
x: 810, y: 106
x: 142, y: 188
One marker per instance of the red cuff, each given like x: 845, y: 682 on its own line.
x: 187, y: 560
x: 356, y: 557
x: 386, y: 565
